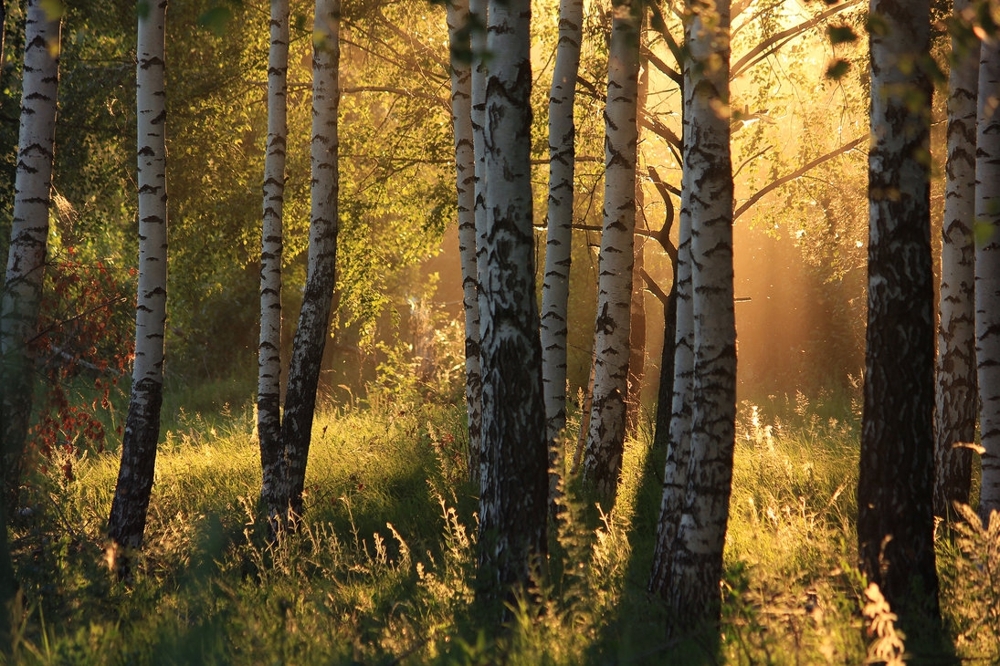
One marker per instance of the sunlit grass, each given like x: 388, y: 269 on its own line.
x: 383, y: 567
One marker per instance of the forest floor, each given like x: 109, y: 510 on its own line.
x: 382, y: 569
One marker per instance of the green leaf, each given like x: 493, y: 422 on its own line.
x: 876, y: 25
x: 54, y: 9
x: 142, y: 9
x: 838, y: 69
x: 216, y: 19
x: 841, y: 34
x: 983, y: 232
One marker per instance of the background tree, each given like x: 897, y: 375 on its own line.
x: 606, y: 437
x: 269, y: 349
x: 988, y: 273
x: 513, y: 504
x: 127, y: 522
x: 895, y: 486
x: 955, y: 413
x: 460, y: 28
x: 559, y: 229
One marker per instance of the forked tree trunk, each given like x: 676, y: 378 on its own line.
x: 22, y: 290
x: 513, y: 504
x: 707, y: 197
x: 606, y: 437
x: 957, y: 396
x: 988, y: 274
x: 465, y: 164
x: 127, y: 522
x: 558, y: 244
x: 314, y: 316
x: 896, y: 482
x: 269, y: 349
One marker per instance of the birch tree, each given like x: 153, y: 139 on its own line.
x: 127, y: 522
x: 895, y: 487
x: 513, y: 504
x: 22, y: 289
x: 606, y: 437
x: 314, y: 315
x: 678, y: 435
x: 988, y: 272
x: 459, y: 29
x: 956, y: 399
x: 269, y: 348
x: 697, y: 557
x: 478, y: 15
x: 559, y: 235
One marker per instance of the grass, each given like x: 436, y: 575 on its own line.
x: 383, y: 569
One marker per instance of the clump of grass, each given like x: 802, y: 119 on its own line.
x: 969, y: 567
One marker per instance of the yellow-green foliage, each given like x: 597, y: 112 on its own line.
x: 382, y: 569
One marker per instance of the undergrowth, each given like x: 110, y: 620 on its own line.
x: 382, y: 570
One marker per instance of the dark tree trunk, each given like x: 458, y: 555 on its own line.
x: 127, y: 523
x: 895, y: 487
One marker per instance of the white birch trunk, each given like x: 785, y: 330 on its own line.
x: 896, y: 477
x: 707, y: 197
x: 679, y: 440
x: 988, y: 273
x: 142, y: 426
x: 269, y: 348
x: 465, y: 166
x: 957, y: 397
x: 478, y: 14
x: 314, y: 316
x: 606, y: 438
x: 558, y: 244
x: 513, y: 504
x: 22, y: 292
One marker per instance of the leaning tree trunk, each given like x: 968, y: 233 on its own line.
x: 606, y: 436
x: 142, y: 425
x: 22, y: 290
x: 465, y: 166
x: 314, y: 316
x: 513, y: 505
x: 558, y: 243
x: 957, y: 397
x: 896, y: 482
x: 707, y: 197
x: 988, y: 274
x: 269, y: 348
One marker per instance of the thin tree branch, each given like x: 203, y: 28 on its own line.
x: 775, y: 41
x: 773, y: 185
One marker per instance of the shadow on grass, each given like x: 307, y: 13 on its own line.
x: 638, y: 632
